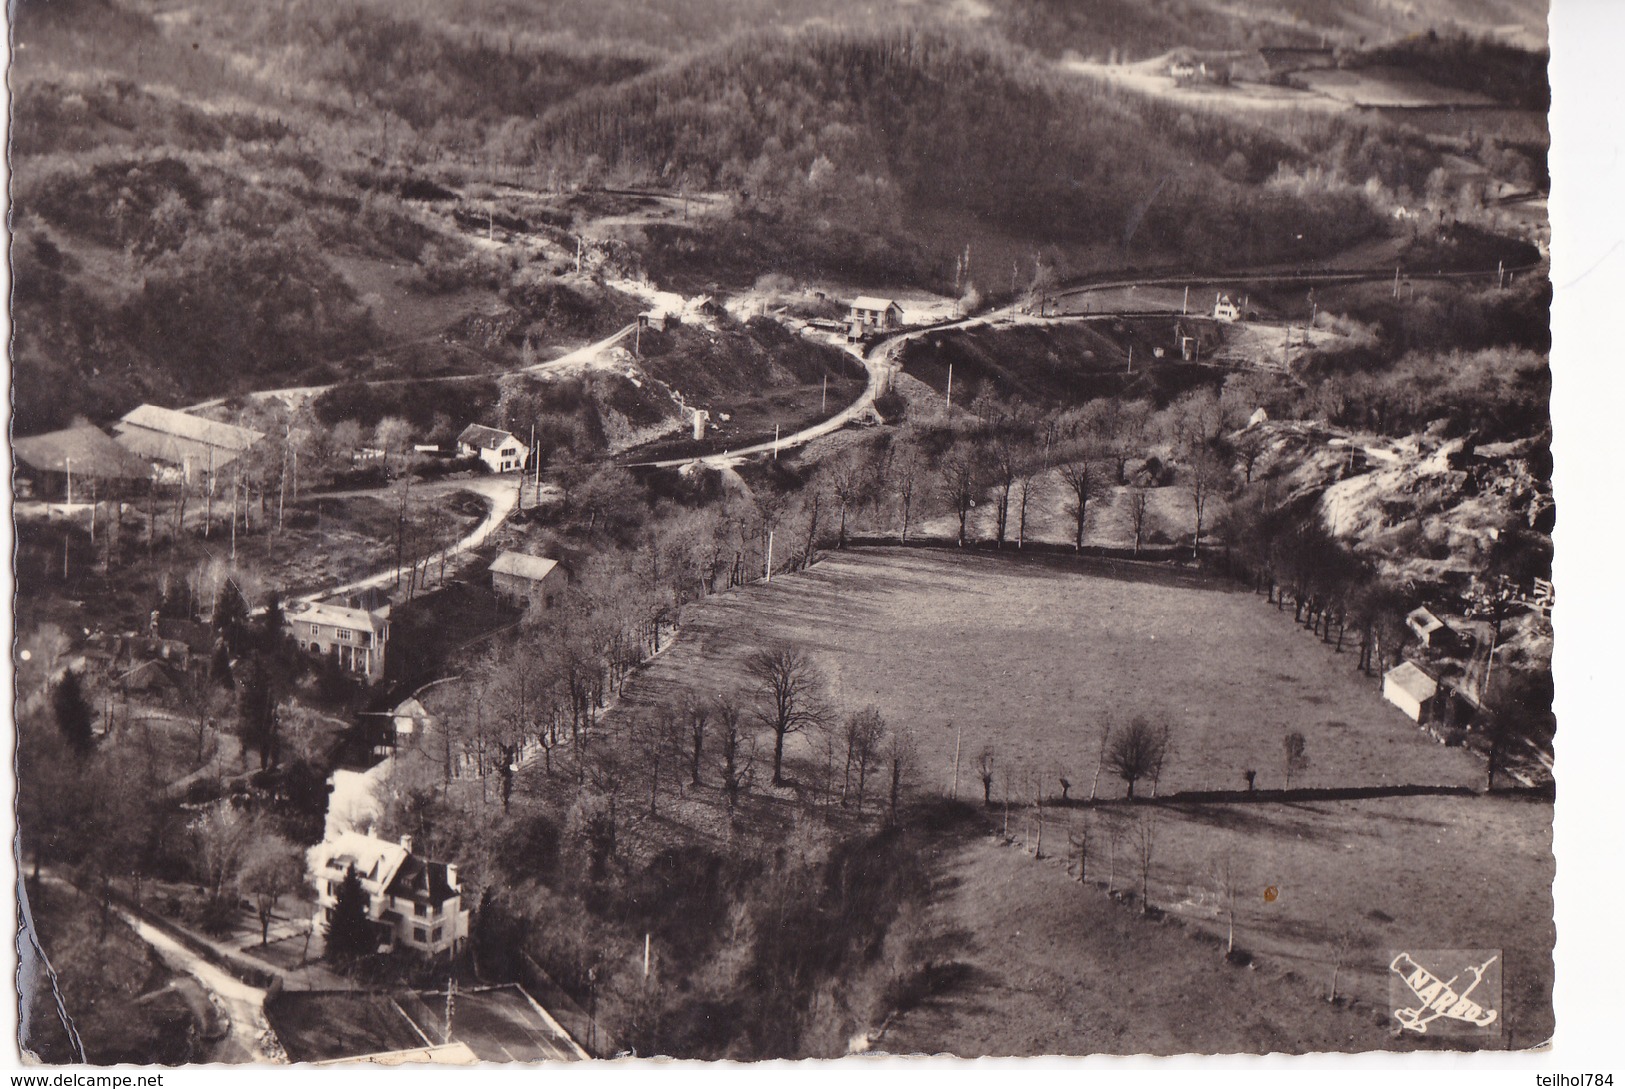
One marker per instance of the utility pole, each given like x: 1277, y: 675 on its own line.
x: 1184, y: 306
x: 775, y: 442
x: 1131, y: 359
x: 767, y: 574
x: 208, y: 496
x: 950, y: 408
x: 1396, y: 281
x: 958, y: 736
x: 823, y: 404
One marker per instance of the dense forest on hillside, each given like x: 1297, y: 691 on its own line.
x: 849, y: 129
x: 212, y: 206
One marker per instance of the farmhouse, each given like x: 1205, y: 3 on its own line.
x: 872, y: 315
x: 411, y: 901
x: 528, y: 580
x: 657, y: 320
x: 358, y: 636
x: 498, y: 449
x: 51, y: 464
x: 1225, y: 309
x: 189, y: 446
x: 1410, y: 689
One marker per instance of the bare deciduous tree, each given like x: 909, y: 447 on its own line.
x: 738, y: 755
x: 1084, y: 482
x: 1204, y: 475
x: 1136, y: 751
x: 1078, y: 840
x: 862, y: 733
x: 792, y: 696
x: 959, y: 486
x: 1139, y: 515
x: 984, y: 771
x: 1145, y: 843
x: 698, y: 716
x: 271, y: 869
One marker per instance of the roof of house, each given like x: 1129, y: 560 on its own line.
x: 487, y: 438
x: 1409, y: 678
x: 423, y: 881
x: 85, y: 451
x: 147, y: 676
x: 339, y: 616
x: 374, y: 859
x: 869, y: 302
x: 195, y: 634
x: 1424, y: 621
x: 183, y: 425
x: 534, y: 568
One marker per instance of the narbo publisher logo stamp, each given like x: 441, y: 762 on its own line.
x: 1446, y: 991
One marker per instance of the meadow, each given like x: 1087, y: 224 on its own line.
x: 1050, y: 651
x: 1035, y: 657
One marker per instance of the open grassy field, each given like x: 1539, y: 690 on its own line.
x: 1036, y: 963
x: 1035, y: 659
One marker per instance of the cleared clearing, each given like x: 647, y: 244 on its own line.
x: 1033, y: 658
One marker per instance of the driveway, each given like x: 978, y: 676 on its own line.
x: 501, y: 491
x: 250, y: 1039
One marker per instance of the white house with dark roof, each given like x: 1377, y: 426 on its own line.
x: 412, y: 901
x: 358, y: 636
x: 526, y: 580
x: 872, y: 315
x: 190, y: 446
x: 498, y: 449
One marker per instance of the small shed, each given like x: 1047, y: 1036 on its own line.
x: 1408, y: 687
x: 1433, y: 632
x: 409, y: 722
x: 525, y: 580
x: 872, y: 315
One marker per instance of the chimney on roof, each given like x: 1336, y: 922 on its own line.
x: 406, y: 841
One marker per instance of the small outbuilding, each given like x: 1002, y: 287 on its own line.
x: 1429, y: 629
x: 524, y: 580
x: 871, y: 315
x: 1408, y: 687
